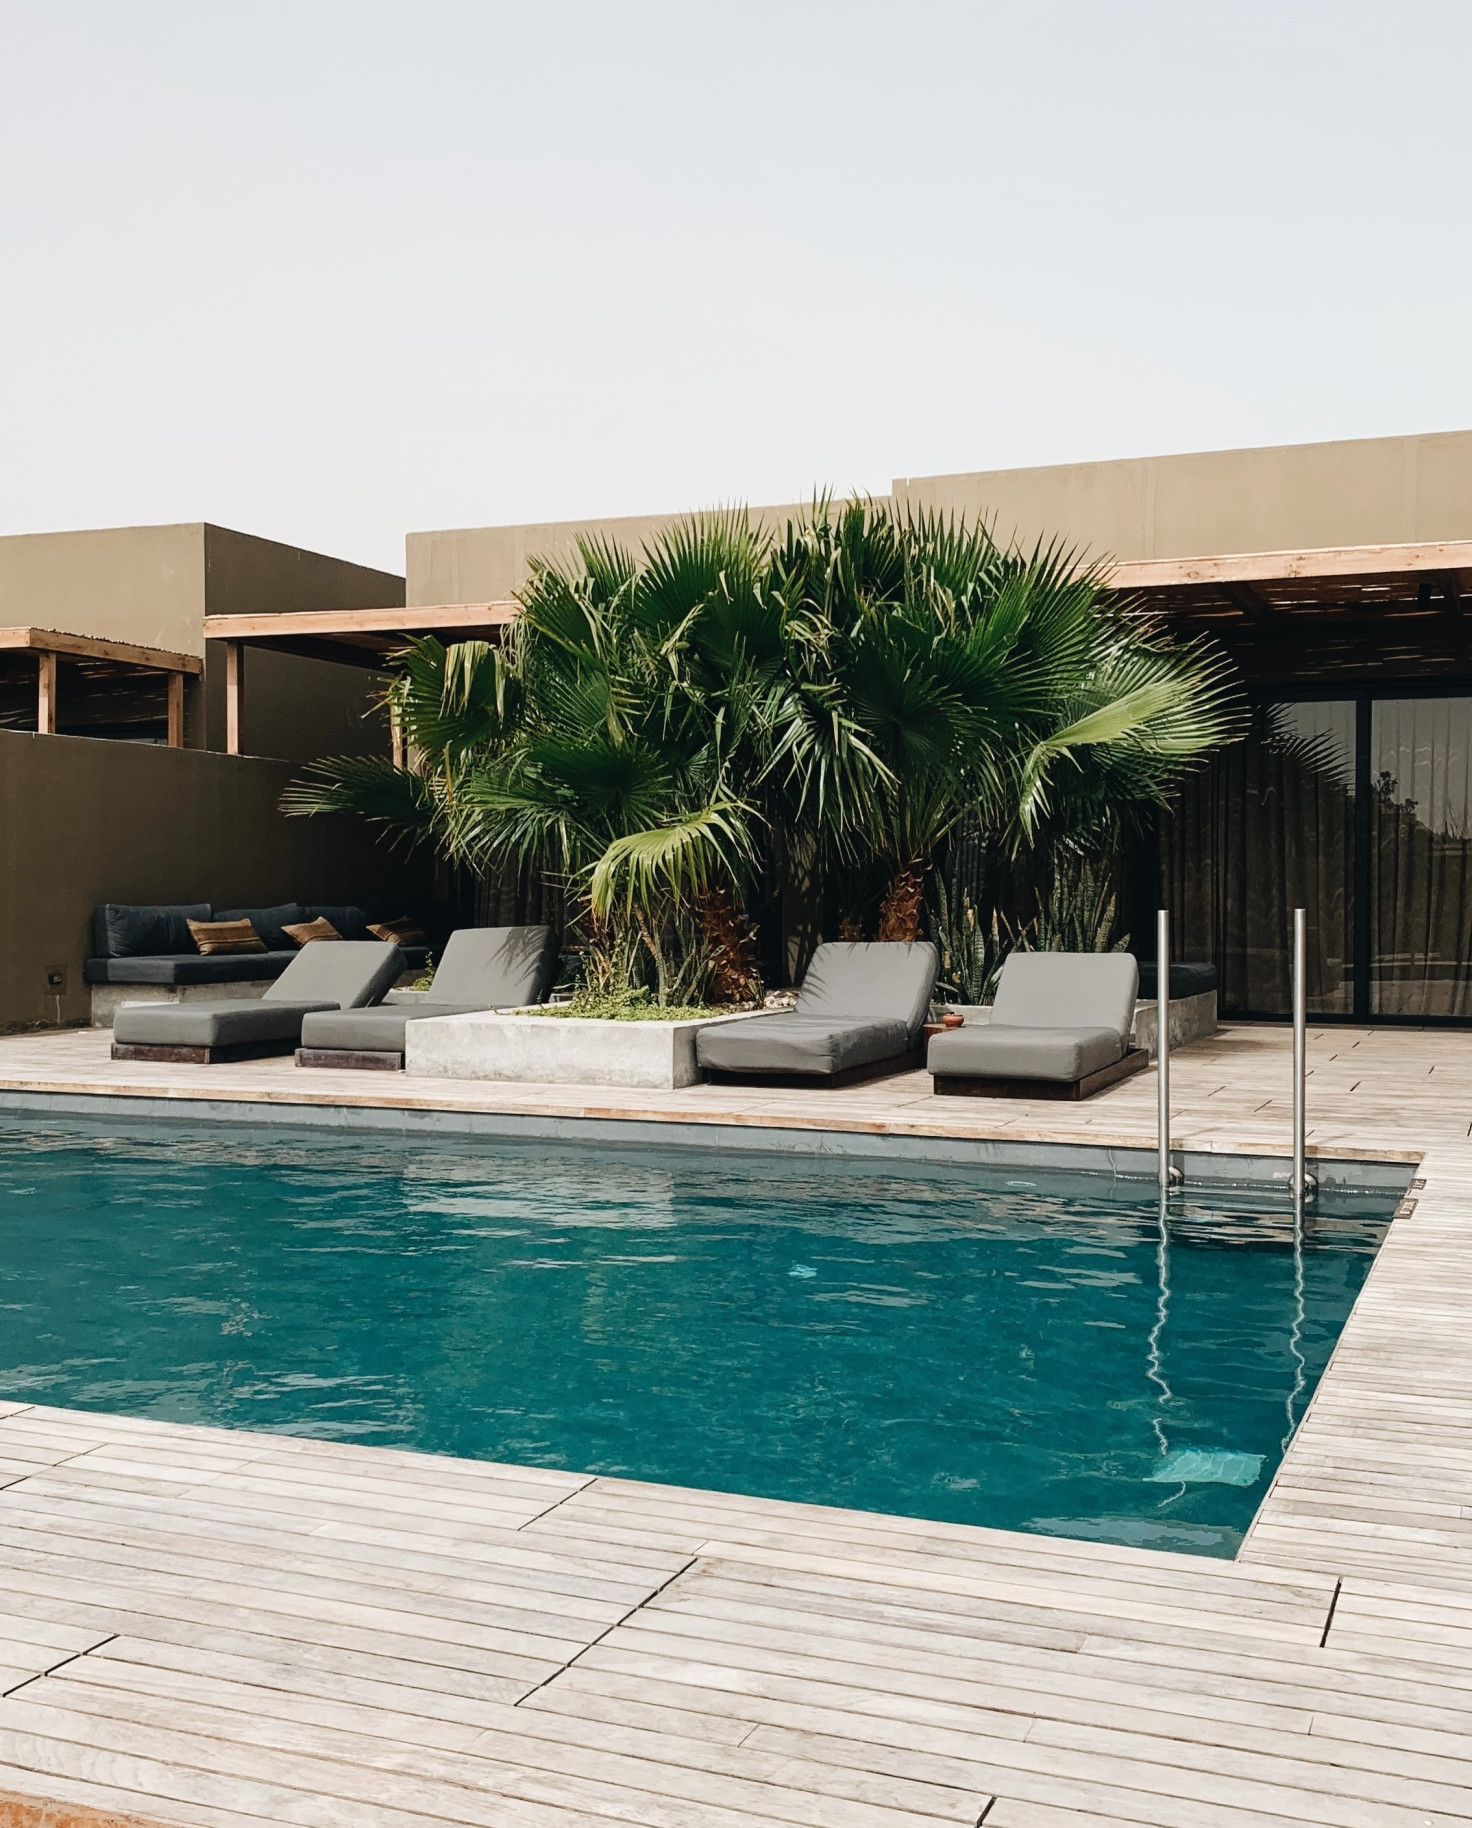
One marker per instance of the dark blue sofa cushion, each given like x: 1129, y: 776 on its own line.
x: 190, y: 968
x: 268, y: 922
x: 351, y: 923
x: 218, y: 968
x: 120, y: 930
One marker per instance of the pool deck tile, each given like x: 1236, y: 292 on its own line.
x: 226, y: 1629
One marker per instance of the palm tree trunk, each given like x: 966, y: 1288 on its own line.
x: 899, y: 912
x: 730, y: 943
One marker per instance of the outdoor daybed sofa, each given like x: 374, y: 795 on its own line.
x: 482, y: 968
x: 153, y: 944
x: 1059, y: 1028
x: 325, y: 974
x: 860, y: 1013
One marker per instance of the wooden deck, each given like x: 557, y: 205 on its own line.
x: 229, y: 1630
x: 1373, y: 1092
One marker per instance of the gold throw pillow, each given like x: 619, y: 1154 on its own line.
x: 305, y: 930
x: 401, y: 932
x: 226, y: 936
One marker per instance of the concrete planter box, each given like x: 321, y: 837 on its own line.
x: 1191, y: 1019
x: 557, y: 1050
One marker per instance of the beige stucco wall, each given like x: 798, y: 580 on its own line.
x: 1356, y: 492
x: 84, y: 821
x: 486, y: 564
x: 140, y: 584
x: 153, y: 586
x: 295, y: 708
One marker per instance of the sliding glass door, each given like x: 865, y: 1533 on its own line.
x: 1421, y: 857
x: 1359, y: 809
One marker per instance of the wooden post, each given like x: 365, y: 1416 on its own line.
x: 234, y: 694
x: 400, y: 751
x: 46, y: 694
x: 176, y: 710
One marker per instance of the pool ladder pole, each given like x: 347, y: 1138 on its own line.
x: 1168, y: 1176
x: 1304, y: 1184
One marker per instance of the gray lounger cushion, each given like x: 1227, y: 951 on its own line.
x: 325, y: 974
x: 496, y: 967
x: 1067, y: 990
x: 991, y: 1051
x: 233, y: 1024
x: 791, y: 1043
x: 379, y: 1031
x: 482, y: 968
x: 1057, y: 1015
x: 859, y: 1003
x: 880, y: 980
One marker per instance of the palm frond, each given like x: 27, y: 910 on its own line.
x: 680, y: 859
x: 372, y: 788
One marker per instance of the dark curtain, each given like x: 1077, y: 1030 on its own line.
x: 1421, y: 857
x: 1269, y: 827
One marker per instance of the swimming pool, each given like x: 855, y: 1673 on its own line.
x: 1023, y: 1350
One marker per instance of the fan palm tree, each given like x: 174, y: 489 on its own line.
x: 999, y: 688
x: 612, y: 744
x: 657, y: 728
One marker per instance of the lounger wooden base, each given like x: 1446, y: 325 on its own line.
x: 849, y: 1075
x: 198, y: 1056
x: 351, y: 1059
x: 960, y: 1085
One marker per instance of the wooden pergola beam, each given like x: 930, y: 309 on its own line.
x: 87, y: 647
x: 1316, y: 562
x: 341, y: 624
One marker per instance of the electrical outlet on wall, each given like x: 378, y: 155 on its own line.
x: 56, y: 976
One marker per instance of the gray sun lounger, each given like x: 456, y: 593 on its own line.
x: 482, y: 968
x: 1060, y: 1028
x: 860, y: 1013
x: 325, y: 974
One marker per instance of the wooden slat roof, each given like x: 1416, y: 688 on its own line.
x: 89, y: 647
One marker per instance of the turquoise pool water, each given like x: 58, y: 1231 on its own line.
x: 1012, y: 1349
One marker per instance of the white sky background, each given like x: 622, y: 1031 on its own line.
x: 331, y: 270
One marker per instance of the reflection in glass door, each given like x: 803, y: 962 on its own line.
x: 1421, y: 857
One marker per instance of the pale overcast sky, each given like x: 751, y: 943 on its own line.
x: 331, y: 270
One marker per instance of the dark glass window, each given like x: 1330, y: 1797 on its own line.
x: 1358, y: 808
x: 1420, y: 767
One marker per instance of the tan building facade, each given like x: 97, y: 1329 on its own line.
x: 1352, y: 792
x: 1356, y: 492
x: 152, y: 587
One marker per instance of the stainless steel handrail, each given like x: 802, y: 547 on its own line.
x: 1300, y: 1054
x: 1162, y: 1044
